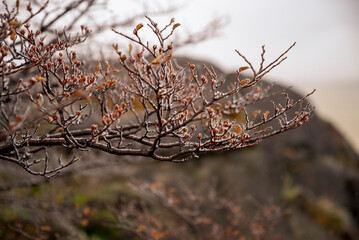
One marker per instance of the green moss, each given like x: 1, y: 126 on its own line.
x: 80, y: 199
x: 290, y: 192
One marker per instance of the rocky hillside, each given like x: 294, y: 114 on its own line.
x: 310, y: 173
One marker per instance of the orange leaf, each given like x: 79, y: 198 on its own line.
x: 40, y: 79
x: 238, y: 129
x: 255, y: 113
x: 176, y: 26
x: 157, y: 59
x: 141, y: 228
x: 14, y: 23
x: 241, y: 69
x: 130, y: 47
x: 12, y: 37
x: 157, y: 235
x: 86, y: 210
x: 11, y: 125
x: 98, y: 68
x: 139, y: 26
x: 113, y: 70
x: 266, y: 114
x: 244, y: 81
x: 85, y: 222
x: 108, y: 83
x: 46, y: 228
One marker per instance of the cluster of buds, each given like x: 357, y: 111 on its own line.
x: 301, y: 118
x: 110, y: 118
x: 52, y: 118
x: 185, y: 133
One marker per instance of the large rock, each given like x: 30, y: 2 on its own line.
x: 312, y: 168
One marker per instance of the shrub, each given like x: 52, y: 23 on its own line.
x: 148, y: 106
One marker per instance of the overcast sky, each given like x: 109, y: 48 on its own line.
x: 326, y: 56
x: 326, y: 32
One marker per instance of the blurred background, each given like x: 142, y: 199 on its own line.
x: 325, y: 57
x: 302, y: 184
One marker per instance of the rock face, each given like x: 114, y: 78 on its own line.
x: 312, y: 169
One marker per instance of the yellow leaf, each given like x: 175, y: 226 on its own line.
x: 241, y: 69
x: 238, y: 129
x: 139, y: 26
x: 98, y: 68
x: 40, y: 79
x: 157, y: 59
x: 176, y: 26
